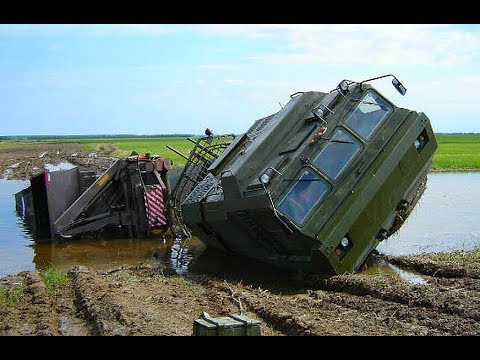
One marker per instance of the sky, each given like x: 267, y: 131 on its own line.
x: 78, y: 79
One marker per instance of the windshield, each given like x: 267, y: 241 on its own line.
x: 368, y: 115
x: 303, y: 196
x: 335, y: 156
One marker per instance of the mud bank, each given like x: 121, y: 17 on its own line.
x: 21, y: 162
x: 147, y: 299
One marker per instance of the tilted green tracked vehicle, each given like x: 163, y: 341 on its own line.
x: 315, y: 186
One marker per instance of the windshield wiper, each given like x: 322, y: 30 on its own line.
x: 337, y: 141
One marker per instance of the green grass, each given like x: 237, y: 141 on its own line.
x: 123, y: 277
x: 456, y: 256
x: 10, y: 297
x: 457, y: 151
x: 124, y: 146
x: 55, y: 279
x: 10, y: 145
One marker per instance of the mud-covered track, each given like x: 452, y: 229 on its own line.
x: 148, y: 299
x: 327, y: 312
x: 93, y: 298
x: 461, y: 297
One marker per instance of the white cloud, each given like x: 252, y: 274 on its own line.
x: 406, y: 44
x: 373, y: 44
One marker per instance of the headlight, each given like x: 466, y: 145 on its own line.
x: 319, y: 112
x: 265, y: 179
x: 343, y: 86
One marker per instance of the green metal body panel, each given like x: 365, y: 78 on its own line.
x: 367, y: 201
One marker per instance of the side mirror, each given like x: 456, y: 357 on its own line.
x: 398, y: 85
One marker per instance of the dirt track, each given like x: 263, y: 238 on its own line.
x: 144, y: 300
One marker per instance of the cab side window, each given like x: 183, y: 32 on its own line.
x: 368, y: 116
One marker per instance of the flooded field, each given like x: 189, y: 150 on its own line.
x: 16, y: 245
x: 445, y: 220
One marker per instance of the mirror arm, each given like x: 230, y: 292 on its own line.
x: 376, y: 78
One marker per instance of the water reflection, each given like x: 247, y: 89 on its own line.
x: 248, y: 271
x: 59, y: 166
x: 445, y: 219
x: 105, y: 254
x: 15, y: 253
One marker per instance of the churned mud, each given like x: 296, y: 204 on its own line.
x: 461, y: 264
x: 36, y: 312
x: 21, y: 162
x: 148, y: 299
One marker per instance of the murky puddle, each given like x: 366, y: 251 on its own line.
x: 408, y: 276
x: 59, y: 166
x: 106, y: 254
x: 69, y: 326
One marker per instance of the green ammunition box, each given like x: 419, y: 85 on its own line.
x: 232, y: 325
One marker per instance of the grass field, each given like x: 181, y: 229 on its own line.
x: 155, y: 146
x: 455, y: 151
x: 124, y: 146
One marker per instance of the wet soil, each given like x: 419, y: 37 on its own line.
x: 148, y: 299
x: 448, y: 265
x: 21, y: 162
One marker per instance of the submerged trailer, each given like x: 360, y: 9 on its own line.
x: 128, y: 199
x: 317, y: 185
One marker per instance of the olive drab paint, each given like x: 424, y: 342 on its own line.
x: 317, y: 185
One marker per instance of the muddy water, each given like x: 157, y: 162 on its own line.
x: 446, y: 219
x: 59, y: 166
x: 18, y: 251
x: 384, y: 268
x: 107, y: 254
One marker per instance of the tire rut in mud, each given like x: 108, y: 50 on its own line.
x: 306, y: 315
x: 141, y: 300
x: 437, y: 268
x: 46, y: 320
x: 93, y: 298
x: 350, y: 305
x: 454, y: 298
x: 30, y: 314
x: 420, y: 321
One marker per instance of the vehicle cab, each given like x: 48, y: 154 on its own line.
x: 319, y: 184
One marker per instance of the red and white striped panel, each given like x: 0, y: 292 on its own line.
x: 154, y: 206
